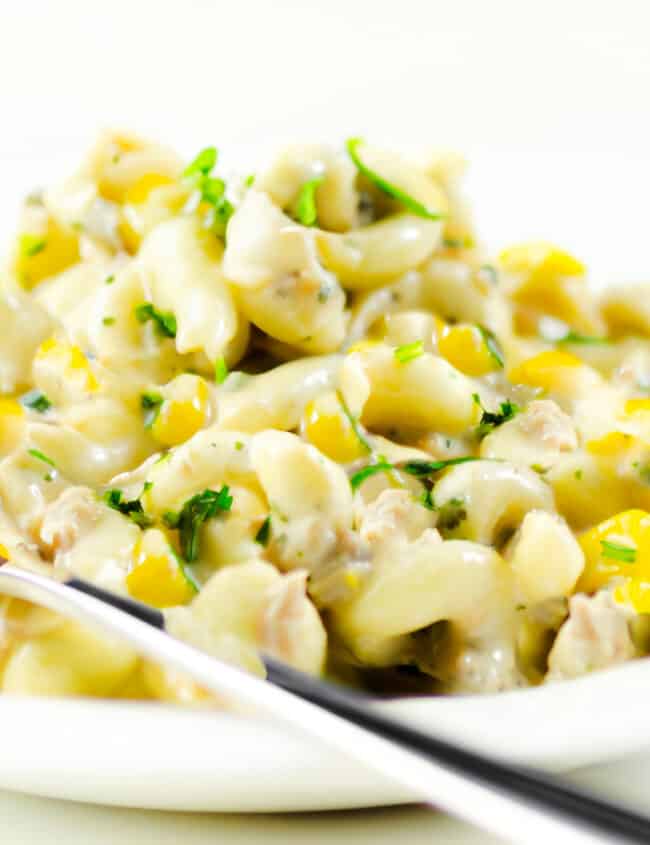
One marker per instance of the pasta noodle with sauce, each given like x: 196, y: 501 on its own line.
x: 304, y: 413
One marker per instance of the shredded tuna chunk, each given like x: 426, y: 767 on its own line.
x: 595, y: 636
x: 64, y: 520
x: 545, y: 421
x: 394, y: 515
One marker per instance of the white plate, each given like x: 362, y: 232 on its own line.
x: 159, y: 757
x: 547, y: 105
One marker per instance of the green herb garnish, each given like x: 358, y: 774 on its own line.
x: 264, y: 534
x: 492, y: 344
x: 212, y: 191
x: 220, y: 370
x: 584, y: 339
x: 409, y: 352
x: 41, y: 457
x: 492, y: 419
x: 132, y: 508
x: 31, y: 245
x: 616, y: 551
x: 202, y: 164
x: 359, y: 477
x: 422, y: 469
x: 37, y: 401
x: 151, y: 404
x: 109, y: 280
x: 108, y: 321
x: 305, y: 210
x: 248, y: 181
x: 355, y: 424
x: 426, y: 499
x: 195, y: 512
x: 386, y: 187
x: 164, y: 321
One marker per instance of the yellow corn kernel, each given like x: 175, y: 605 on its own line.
x: 157, y: 577
x: 634, y: 593
x: 130, y: 225
x: 140, y: 190
x: 12, y: 421
x: 628, y: 530
x: 45, y: 253
x: 612, y: 445
x: 465, y: 348
x: 550, y: 370
x: 550, y: 281
x: 326, y: 426
x: 185, y: 410
x: 68, y: 359
x: 636, y: 406
x: 4, y: 552
x: 541, y: 261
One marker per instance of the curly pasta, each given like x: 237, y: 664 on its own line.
x: 305, y: 414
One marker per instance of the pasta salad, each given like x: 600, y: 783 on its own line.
x: 304, y: 413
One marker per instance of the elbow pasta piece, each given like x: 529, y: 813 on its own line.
x: 537, y: 437
x: 424, y: 393
x: 447, y: 169
x: 25, y: 324
x: 281, y: 286
x: 458, y: 291
x: 210, y: 458
x: 545, y: 557
x: 95, y: 441
x: 357, y: 421
x: 495, y: 497
x: 69, y: 660
x: 260, y: 607
x: 460, y: 582
x: 337, y: 200
x: 368, y: 257
x: 180, y: 274
x: 277, y: 399
x: 299, y: 481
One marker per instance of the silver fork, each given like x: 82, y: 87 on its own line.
x: 519, y: 804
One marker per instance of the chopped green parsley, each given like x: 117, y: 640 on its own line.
x: 492, y: 344
x: 35, y: 453
x: 36, y: 400
x: 164, y: 321
x: 493, y: 419
x: 31, y: 245
x: 617, y: 551
x: 210, y: 190
x: 220, y: 370
x: 196, y: 511
x: 409, y: 352
x: 132, y: 508
x: 381, y: 465
x: 584, y: 339
x: 264, y: 534
x: 151, y: 404
x: 305, y: 211
x: 394, y: 192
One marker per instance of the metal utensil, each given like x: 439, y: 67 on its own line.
x: 519, y: 804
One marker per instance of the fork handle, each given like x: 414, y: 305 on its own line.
x: 520, y: 805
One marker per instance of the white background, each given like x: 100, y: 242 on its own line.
x: 550, y: 101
